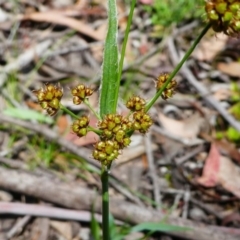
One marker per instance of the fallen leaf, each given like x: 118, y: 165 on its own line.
x: 62, y: 123
x: 232, y: 68
x: 187, y: 128
x: 220, y: 170
x: 58, y: 18
x: 208, y: 48
x: 146, y: 2
x: 222, y: 94
x: 211, y: 168
x: 64, y: 228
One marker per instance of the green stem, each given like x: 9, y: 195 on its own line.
x: 68, y: 111
x: 92, y: 109
x: 105, y: 203
x: 130, y: 16
x: 178, y: 67
x: 98, y: 132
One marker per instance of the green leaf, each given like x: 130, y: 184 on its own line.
x: 154, y: 226
x: 109, y: 83
x: 27, y: 114
x: 112, y: 226
x: 95, y: 228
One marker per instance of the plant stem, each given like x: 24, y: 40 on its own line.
x: 178, y: 67
x: 91, y: 108
x: 130, y: 16
x: 105, y: 203
x: 97, y: 131
x: 68, y: 111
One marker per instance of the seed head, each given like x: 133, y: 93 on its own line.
x: 224, y: 15
x: 142, y: 121
x: 170, y: 89
x: 80, y: 93
x: 135, y: 103
x: 49, y: 98
x: 106, y: 151
x: 80, y: 126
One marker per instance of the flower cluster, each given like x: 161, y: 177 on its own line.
x: 135, y: 103
x: 224, y: 15
x: 106, y: 151
x: 80, y: 126
x: 171, y: 87
x: 49, y: 98
x: 116, y: 128
x: 80, y: 93
x: 114, y: 137
x: 141, y: 121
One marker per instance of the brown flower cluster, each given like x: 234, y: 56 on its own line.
x: 170, y: 89
x: 80, y: 126
x: 224, y: 15
x: 49, y: 98
x: 80, y: 93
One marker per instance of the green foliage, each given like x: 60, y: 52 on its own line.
x: 42, y: 151
x: 233, y: 134
x: 95, y: 228
x: 158, y: 226
x: 167, y: 12
x: 27, y: 114
x: 109, y: 88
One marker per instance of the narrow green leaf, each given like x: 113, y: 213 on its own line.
x: 27, y: 114
x: 95, y: 228
x: 109, y: 88
x: 154, y: 226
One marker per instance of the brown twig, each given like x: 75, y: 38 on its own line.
x: 73, y: 196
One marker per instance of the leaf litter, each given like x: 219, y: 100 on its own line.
x: 61, y: 41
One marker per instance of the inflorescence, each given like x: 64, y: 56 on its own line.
x: 224, y: 15
x: 114, y: 130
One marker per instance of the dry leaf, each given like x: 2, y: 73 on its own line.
x: 187, y: 128
x: 59, y: 18
x: 62, y: 123
x: 222, y: 94
x: 64, y: 228
x: 211, y: 168
x: 220, y: 170
x: 232, y: 68
x: 208, y: 48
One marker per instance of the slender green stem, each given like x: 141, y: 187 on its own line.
x: 68, y: 111
x: 130, y: 16
x: 105, y: 203
x: 98, y: 132
x: 92, y: 109
x: 178, y: 67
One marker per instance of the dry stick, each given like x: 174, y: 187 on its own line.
x: 152, y: 171
x: 37, y: 210
x: 69, y: 146
x: 23, y: 60
x: 200, y: 88
x: 67, y: 195
x: 18, y: 227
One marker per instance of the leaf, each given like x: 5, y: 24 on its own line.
x: 220, y: 170
x: 64, y: 228
x: 109, y: 88
x: 211, y: 168
x: 59, y: 18
x: 187, y: 128
x: 95, y: 228
x: 27, y: 114
x: 154, y: 226
x: 232, y: 68
x: 209, y: 47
